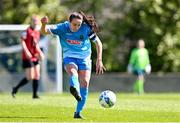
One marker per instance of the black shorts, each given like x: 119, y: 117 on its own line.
x: 29, y: 64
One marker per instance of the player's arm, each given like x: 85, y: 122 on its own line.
x: 131, y: 62
x: 27, y: 52
x: 147, y: 55
x: 40, y: 54
x: 55, y: 30
x: 44, y: 22
x: 148, y: 66
x: 132, y: 57
x: 99, y: 64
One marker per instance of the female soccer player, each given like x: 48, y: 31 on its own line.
x: 30, y: 56
x: 139, y: 64
x: 75, y: 36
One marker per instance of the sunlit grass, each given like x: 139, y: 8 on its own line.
x: 60, y: 108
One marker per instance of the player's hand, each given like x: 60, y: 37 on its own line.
x: 129, y: 68
x: 28, y: 56
x: 148, y: 69
x: 100, y: 67
x: 37, y: 55
x: 44, y: 20
x: 42, y: 56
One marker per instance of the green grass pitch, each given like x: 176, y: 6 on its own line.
x: 60, y: 108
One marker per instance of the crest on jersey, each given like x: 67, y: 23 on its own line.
x: 81, y: 37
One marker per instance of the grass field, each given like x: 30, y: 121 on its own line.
x: 60, y: 108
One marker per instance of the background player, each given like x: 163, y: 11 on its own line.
x: 31, y: 54
x: 74, y: 38
x: 139, y: 64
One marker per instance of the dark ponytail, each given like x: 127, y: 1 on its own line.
x: 89, y: 20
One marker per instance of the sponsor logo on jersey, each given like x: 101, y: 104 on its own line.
x: 73, y: 41
x: 68, y: 33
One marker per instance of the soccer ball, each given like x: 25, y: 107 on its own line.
x: 107, y: 99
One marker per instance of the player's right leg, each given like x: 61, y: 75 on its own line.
x: 35, y: 82
x: 84, y: 78
x: 27, y: 65
x: 71, y: 68
x: 139, y: 83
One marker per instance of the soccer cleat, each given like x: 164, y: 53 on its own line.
x: 77, y: 115
x: 14, y: 91
x: 75, y: 93
x: 36, y: 97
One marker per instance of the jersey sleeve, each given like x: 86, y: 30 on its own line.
x: 147, y: 58
x: 132, y: 57
x: 92, y: 36
x: 57, y: 29
x: 23, y: 35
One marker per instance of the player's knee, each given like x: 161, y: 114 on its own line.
x: 37, y: 77
x: 29, y: 77
x: 71, y: 68
x: 72, y: 72
x: 84, y: 84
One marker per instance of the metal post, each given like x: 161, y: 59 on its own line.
x: 59, y: 72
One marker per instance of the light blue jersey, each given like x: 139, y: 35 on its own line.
x: 74, y: 44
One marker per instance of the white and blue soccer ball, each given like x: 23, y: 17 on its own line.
x: 107, y: 99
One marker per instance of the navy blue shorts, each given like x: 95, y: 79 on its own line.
x: 139, y: 72
x: 29, y: 64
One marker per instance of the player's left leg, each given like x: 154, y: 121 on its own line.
x: 29, y: 75
x: 35, y: 82
x: 71, y: 68
x: 84, y: 78
x: 140, y: 84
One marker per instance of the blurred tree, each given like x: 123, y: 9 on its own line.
x: 123, y: 22
x: 90, y: 7
x: 20, y: 11
x: 157, y: 21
